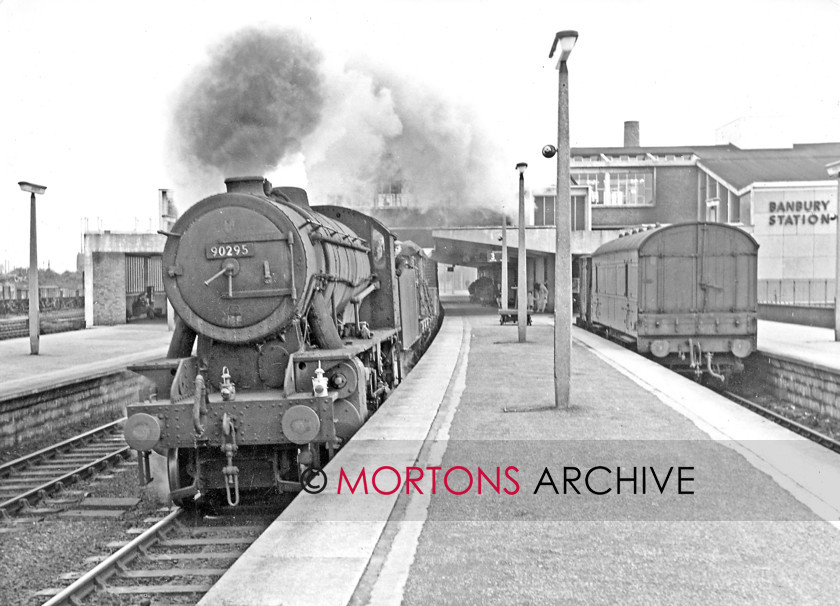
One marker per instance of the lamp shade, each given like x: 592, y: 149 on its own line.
x: 566, y: 40
x: 32, y: 188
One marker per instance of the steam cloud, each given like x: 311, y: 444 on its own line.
x: 391, y: 130
x: 267, y: 99
x: 259, y: 97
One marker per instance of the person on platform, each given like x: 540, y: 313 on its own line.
x: 542, y: 297
x: 530, y: 300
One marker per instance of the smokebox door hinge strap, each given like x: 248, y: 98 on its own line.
x: 292, y: 263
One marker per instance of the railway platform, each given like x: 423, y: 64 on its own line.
x: 810, y: 344
x: 648, y: 489
x: 81, y: 354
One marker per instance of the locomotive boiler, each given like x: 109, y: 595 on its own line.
x: 302, y: 320
x: 684, y: 294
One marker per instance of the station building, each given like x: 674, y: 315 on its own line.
x: 784, y: 197
x: 123, y: 274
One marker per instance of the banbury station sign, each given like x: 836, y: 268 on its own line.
x: 809, y: 212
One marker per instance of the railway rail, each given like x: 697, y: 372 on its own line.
x: 26, y: 480
x: 782, y: 420
x: 802, y: 430
x: 178, y: 559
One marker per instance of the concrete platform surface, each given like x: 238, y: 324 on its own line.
x: 69, y: 356
x: 810, y: 344
x: 323, y: 534
x: 747, y: 515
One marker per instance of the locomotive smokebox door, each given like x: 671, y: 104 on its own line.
x: 237, y: 268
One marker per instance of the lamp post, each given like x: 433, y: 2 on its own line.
x: 562, y: 218
x: 834, y: 171
x: 503, y: 300
x: 521, y: 267
x: 34, y: 295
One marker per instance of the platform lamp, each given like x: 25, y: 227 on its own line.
x: 503, y: 300
x: 521, y: 266
x: 34, y: 301
x: 834, y: 171
x: 563, y: 220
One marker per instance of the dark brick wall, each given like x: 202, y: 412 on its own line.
x: 802, y: 384
x: 798, y: 314
x: 108, y: 289
x: 676, y: 194
x: 19, y: 327
x: 36, y: 416
x: 675, y: 197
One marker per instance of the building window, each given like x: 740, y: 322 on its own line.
x: 618, y: 187
x: 712, y: 206
x: 543, y: 210
x: 733, y: 205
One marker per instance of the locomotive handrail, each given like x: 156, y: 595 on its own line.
x: 259, y: 238
x: 334, y: 232
x: 316, y: 237
x: 254, y: 294
x: 334, y: 278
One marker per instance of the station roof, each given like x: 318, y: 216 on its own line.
x: 474, y: 247
x: 741, y: 168
x: 656, y: 151
x: 737, y: 168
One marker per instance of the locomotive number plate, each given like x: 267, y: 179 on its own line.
x: 225, y: 251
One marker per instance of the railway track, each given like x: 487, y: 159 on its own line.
x: 177, y: 559
x: 802, y: 430
x: 25, y: 481
x: 790, y: 424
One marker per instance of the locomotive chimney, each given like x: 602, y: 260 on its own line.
x: 631, y: 133
x: 258, y: 186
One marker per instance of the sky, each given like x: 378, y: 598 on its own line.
x: 97, y: 96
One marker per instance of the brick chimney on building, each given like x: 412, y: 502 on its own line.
x: 631, y: 133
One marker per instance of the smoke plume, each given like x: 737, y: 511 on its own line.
x: 260, y: 95
x: 267, y: 100
x: 344, y: 156
x: 395, y: 132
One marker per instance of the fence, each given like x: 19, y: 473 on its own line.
x: 16, y: 307
x: 806, y: 293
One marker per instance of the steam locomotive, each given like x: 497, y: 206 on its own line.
x: 303, y: 321
x: 683, y: 294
